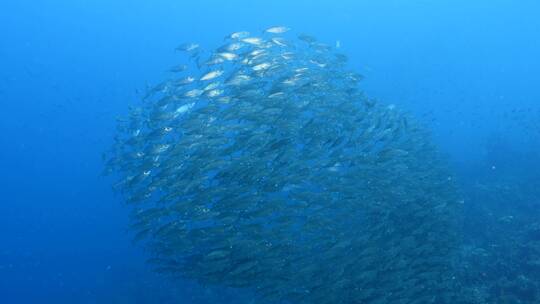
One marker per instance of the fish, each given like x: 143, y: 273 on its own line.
x: 252, y: 174
x: 187, y: 47
x: 279, y: 41
x: 262, y: 66
x: 212, y: 86
x: 238, y: 35
x: 227, y: 56
x: 193, y: 93
x: 184, y: 108
x: 276, y: 95
x: 217, y: 254
x: 257, y: 52
x: 232, y: 47
x: 277, y: 30
x: 318, y: 63
x: 238, y: 79
x: 253, y: 41
x: 211, y: 75
x: 287, y: 55
x: 214, y: 93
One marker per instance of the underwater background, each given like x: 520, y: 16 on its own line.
x: 467, y: 70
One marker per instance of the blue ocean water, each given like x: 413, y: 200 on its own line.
x: 468, y: 69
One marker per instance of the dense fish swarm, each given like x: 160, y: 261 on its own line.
x: 261, y: 165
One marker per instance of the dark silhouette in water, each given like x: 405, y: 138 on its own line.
x: 270, y: 170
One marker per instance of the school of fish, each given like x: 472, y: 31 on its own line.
x: 262, y: 165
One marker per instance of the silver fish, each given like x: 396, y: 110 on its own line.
x: 277, y: 30
x: 211, y: 75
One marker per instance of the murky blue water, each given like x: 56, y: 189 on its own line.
x: 467, y: 69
